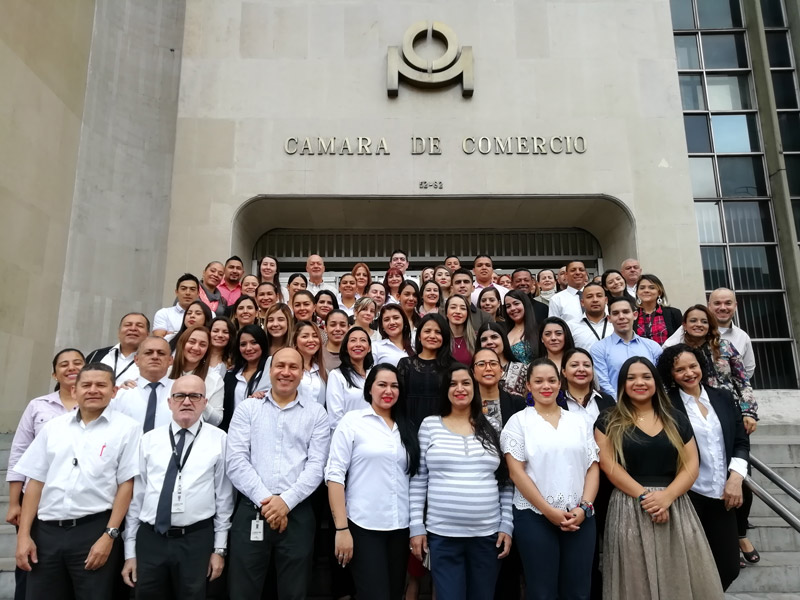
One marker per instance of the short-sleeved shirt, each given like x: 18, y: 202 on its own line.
x: 651, y: 461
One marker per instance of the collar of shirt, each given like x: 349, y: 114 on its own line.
x: 371, y: 413
x: 593, y: 395
x: 105, y: 415
x: 176, y: 427
x: 118, y: 348
x: 224, y: 284
x: 618, y: 340
x: 143, y: 383
x: 298, y: 399
x: 573, y: 291
x: 688, y: 399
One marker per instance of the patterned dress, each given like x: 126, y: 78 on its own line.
x: 728, y: 373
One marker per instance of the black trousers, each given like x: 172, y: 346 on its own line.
x: 720, y: 528
x: 60, y: 572
x: 172, y: 568
x: 743, y: 512
x: 292, y: 551
x: 379, y: 562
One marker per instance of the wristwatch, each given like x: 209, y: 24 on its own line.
x: 588, y: 508
x: 113, y: 532
x: 223, y: 552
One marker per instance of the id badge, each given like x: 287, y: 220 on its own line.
x: 257, y: 530
x: 178, y: 504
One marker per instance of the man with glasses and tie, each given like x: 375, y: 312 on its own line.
x: 177, y: 527
x: 147, y: 401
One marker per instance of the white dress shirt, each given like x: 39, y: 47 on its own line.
x: 590, y: 412
x: 207, y: 490
x: 586, y: 332
x: 124, y: 367
x: 631, y: 289
x: 556, y: 458
x: 80, y: 464
x: 477, y: 292
x: 312, y: 386
x: 566, y: 305
x: 314, y: 288
x: 169, y: 318
x: 133, y: 402
x: 341, y: 398
x: 711, y: 445
x: 735, y: 335
x: 371, y: 459
x: 384, y: 351
x: 264, y: 384
x: 277, y: 451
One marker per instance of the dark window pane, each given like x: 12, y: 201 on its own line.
x: 778, y: 49
x: 686, y: 52
x: 719, y: 14
x: 742, y: 176
x: 701, y: 171
x: 724, y: 51
x: 735, y: 133
x: 796, y: 211
x: 692, y: 92
x: 790, y: 131
x: 715, y: 270
x: 763, y: 315
x: 785, y: 91
x: 772, y: 12
x: 748, y: 222
x: 682, y: 14
x: 793, y: 173
x: 755, y: 267
x: 729, y: 92
x: 774, y: 366
x: 709, y: 228
x: 697, y: 139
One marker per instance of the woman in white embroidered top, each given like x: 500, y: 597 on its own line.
x: 346, y: 384
x: 307, y: 340
x: 373, y: 452
x: 552, y: 460
x: 468, y: 524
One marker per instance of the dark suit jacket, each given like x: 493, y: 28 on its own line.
x: 98, y: 355
x: 540, y: 310
x: 510, y: 404
x: 673, y: 319
x: 737, y: 444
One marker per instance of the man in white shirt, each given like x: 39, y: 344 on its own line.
x: 315, y: 267
x: 276, y: 453
x: 133, y: 328
x: 81, y: 469
x: 594, y: 325
x: 168, y: 320
x: 147, y: 402
x: 566, y: 304
x: 722, y: 303
x: 483, y: 268
x: 631, y: 271
x: 176, y: 533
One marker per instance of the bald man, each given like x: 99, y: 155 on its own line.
x: 277, y: 449
x: 315, y: 267
x: 631, y: 271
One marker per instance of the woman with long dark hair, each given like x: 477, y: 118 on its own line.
x: 395, y: 330
x: 324, y: 302
x: 243, y: 312
x: 346, y: 384
x: 489, y: 301
x: 374, y: 451
x: 431, y: 297
x: 392, y: 280
x: 444, y: 277
x: 462, y: 345
x: 279, y: 326
x: 654, y: 541
x: 269, y: 270
x: 247, y: 376
x: 521, y: 326
x: 220, y: 351
x: 514, y: 377
x: 307, y: 340
x: 555, y: 339
x: 336, y: 326
x: 197, y: 313
x: 724, y: 452
x: 408, y: 296
x: 363, y: 277
x: 467, y: 524
x: 267, y: 294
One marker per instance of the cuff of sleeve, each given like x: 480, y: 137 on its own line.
x: 12, y: 476
x: 220, y: 539
x: 290, y: 498
x: 507, y: 528
x: 739, y: 465
x: 334, y: 477
x: 751, y: 414
x: 130, y: 548
x: 415, y: 530
x: 262, y: 493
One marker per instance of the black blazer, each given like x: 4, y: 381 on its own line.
x: 540, y: 310
x: 737, y: 444
x: 673, y: 319
x: 510, y: 404
x: 604, y: 401
x: 98, y: 355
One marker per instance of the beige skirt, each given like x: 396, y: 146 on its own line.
x: 667, y: 561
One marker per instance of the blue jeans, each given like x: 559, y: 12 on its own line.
x: 557, y: 564
x: 464, y: 568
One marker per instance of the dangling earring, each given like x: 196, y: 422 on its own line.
x: 659, y: 301
x: 638, y: 301
x: 529, y: 399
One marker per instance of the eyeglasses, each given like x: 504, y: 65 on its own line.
x: 487, y: 363
x: 180, y: 397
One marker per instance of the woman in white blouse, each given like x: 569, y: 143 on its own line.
x: 373, y: 452
x: 396, y: 333
x: 192, y: 357
x: 552, y: 460
x: 307, y: 339
x: 346, y: 384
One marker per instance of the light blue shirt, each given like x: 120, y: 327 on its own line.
x: 610, y: 353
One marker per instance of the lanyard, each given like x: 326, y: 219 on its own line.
x: 116, y: 358
x: 175, y: 456
x: 605, y: 325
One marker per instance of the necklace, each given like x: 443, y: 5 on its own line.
x: 642, y: 418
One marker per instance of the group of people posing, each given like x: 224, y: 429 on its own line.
x: 499, y: 436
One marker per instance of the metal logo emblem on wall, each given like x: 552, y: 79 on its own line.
x: 448, y: 68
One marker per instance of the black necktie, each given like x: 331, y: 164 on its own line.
x: 164, y: 510
x: 150, y: 415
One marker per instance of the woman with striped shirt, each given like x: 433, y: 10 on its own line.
x: 468, y: 523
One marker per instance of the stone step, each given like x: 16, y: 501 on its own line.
x: 789, y: 472
x: 760, y: 596
x: 772, y: 534
x: 776, y: 572
x: 777, y: 449
x: 7, y: 583
x: 760, y: 509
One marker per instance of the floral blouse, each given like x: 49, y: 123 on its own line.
x: 513, y: 379
x: 728, y: 373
